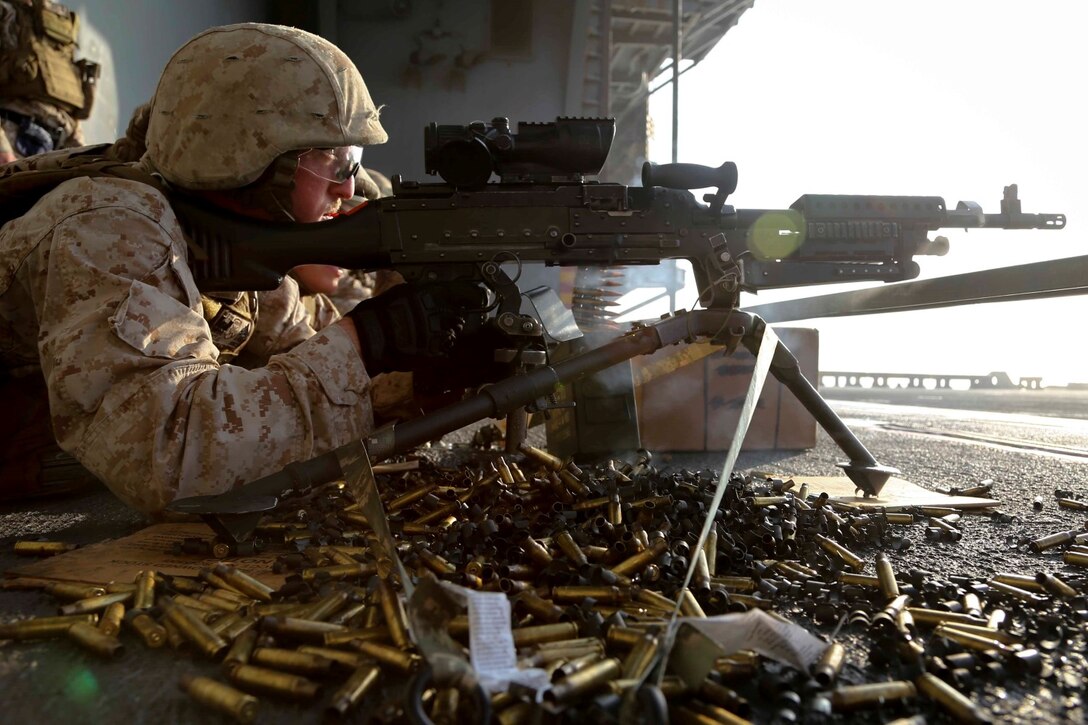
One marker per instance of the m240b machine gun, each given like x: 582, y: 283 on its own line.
x: 542, y: 209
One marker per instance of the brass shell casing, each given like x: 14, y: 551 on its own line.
x: 289, y: 660
x: 275, y: 683
x: 241, y: 649
x: 244, y: 583
x: 94, y: 604
x: 222, y: 697
x: 392, y: 656
x: 151, y: 632
x: 192, y: 628
x: 961, y: 708
x: 585, y: 681
x: 352, y: 692
x: 110, y: 622
x: 876, y: 693
x: 827, y: 669
x: 91, y: 638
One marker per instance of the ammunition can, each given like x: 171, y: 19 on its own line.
x: 827, y: 669
x: 192, y: 628
x: 74, y: 590
x: 244, y: 583
x: 585, y: 681
x: 301, y: 663
x: 41, y: 548
x: 947, y: 697
x: 872, y: 694
x: 885, y: 575
x: 392, y: 656
x: 93, y: 639
x: 151, y: 632
x: 94, y: 604
x: 222, y: 697
x: 394, y: 614
x: 836, y: 549
x: 639, y: 561
x: 110, y: 623
x: 271, y: 682
x: 362, y: 680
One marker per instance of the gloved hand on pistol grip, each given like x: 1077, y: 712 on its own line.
x: 405, y: 328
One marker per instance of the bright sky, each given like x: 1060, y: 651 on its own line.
x: 926, y: 97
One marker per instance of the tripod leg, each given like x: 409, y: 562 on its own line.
x: 862, y: 469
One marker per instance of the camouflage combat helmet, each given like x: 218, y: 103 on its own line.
x: 235, y: 97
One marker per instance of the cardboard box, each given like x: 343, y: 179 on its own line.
x: 695, y: 407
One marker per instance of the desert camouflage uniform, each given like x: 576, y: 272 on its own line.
x: 94, y: 283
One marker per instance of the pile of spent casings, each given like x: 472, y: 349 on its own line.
x: 593, y: 561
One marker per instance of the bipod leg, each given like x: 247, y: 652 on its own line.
x: 862, y: 468
x: 517, y: 427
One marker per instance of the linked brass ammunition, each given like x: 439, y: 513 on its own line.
x: 876, y: 693
x: 301, y: 663
x: 151, y: 632
x: 91, y: 638
x: 636, y: 563
x: 244, y: 583
x: 885, y: 575
x: 836, y: 549
x: 827, y: 669
x: 271, y: 682
x: 42, y: 548
x: 221, y: 696
x: 110, y: 623
x: 947, y: 697
x: 241, y: 649
x: 74, y: 590
x: 352, y: 692
x: 585, y: 681
x: 192, y: 628
x: 384, y: 654
x: 526, y: 636
x: 94, y: 604
x: 394, y: 614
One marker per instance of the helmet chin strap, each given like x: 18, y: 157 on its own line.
x: 271, y: 193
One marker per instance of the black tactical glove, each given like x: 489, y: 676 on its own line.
x: 405, y: 328
x: 469, y: 364
x: 413, y: 327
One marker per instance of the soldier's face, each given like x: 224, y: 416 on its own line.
x: 325, y: 177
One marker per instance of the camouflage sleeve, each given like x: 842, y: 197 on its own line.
x: 135, y: 391
x: 284, y: 319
